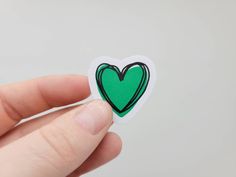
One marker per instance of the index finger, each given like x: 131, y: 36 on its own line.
x: 24, y: 99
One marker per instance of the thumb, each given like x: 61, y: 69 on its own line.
x: 60, y: 147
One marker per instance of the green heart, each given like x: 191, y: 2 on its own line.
x: 122, y: 89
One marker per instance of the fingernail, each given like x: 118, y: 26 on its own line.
x: 94, y: 116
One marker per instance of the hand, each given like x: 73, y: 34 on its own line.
x: 68, y: 142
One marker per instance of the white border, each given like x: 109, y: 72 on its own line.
x: 121, y: 64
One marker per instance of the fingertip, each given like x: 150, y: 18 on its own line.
x: 77, y: 82
x: 81, y: 83
x: 64, y: 89
x: 104, y: 106
x: 116, y: 144
x: 94, y: 117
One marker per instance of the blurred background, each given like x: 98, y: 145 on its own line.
x: 188, y: 126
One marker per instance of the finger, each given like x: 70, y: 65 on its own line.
x: 27, y: 98
x: 58, y: 148
x: 108, y: 149
x: 32, y: 125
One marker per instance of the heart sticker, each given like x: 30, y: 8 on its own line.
x: 124, y: 84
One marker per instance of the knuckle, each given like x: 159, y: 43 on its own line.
x: 59, y: 141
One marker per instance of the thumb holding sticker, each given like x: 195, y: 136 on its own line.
x: 77, y: 139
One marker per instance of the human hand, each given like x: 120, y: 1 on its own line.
x: 68, y: 142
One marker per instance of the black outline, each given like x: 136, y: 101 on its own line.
x: 121, y: 74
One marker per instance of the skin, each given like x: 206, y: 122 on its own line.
x: 54, y: 144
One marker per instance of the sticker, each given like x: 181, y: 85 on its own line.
x: 124, y: 84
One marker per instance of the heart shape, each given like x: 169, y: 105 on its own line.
x: 122, y: 89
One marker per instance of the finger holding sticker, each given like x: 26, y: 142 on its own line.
x: 66, y: 142
x: 124, y: 84
x: 74, y: 140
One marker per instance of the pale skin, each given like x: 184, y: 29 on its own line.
x: 68, y: 142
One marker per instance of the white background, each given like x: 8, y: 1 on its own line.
x: 188, y: 126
